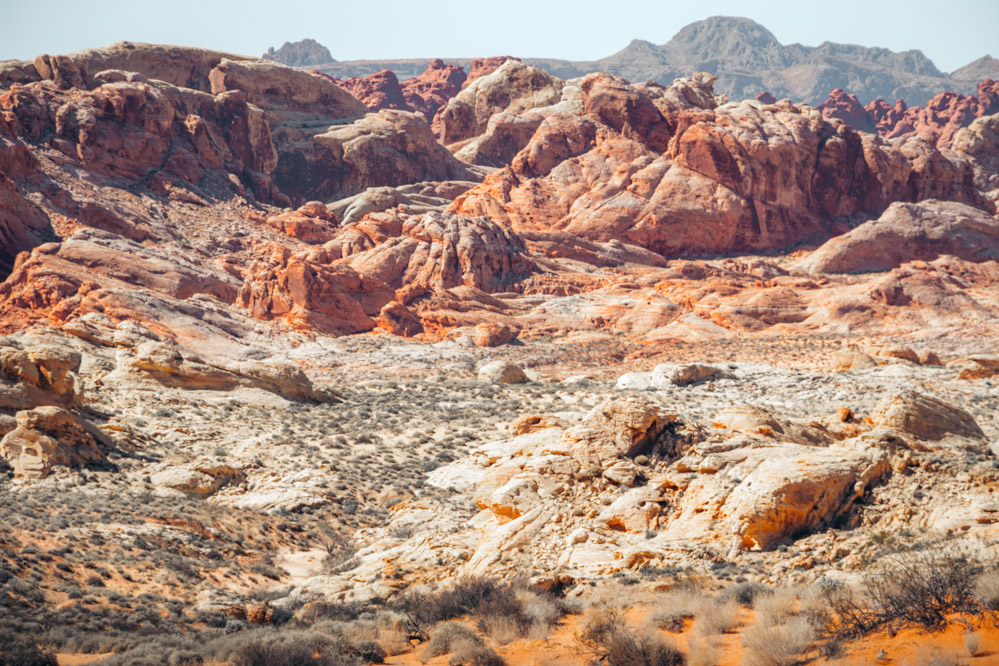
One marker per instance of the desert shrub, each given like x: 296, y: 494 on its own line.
x: 776, y: 607
x: 923, y: 587
x: 321, y: 645
x: 703, y: 651
x: 777, y: 645
x: 465, y: 597
x: 745, y: 593
x: 502, y: 611
x: 449, y: 635
x: 914, y: 588
x: 502, y: 628
x: 615, y: 645
x: 470, y: 654
x: 987, y: 590
x: 672, y: 621
x: 720, y: 617
x: 22, y: 652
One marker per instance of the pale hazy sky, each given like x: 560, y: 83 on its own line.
x: 951, y: 33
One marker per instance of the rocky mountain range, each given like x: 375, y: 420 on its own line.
x: 489, y: 366
x: 747, y: 59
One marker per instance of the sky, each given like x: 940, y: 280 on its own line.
x: 952, y: 33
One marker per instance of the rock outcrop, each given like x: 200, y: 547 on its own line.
x: 49, y: 436
x: 377, y: 91
x: 303, y: 53
x: 513, y: 87
x: 938, y: 121
x: 909, y: 232
x: 732, y: 178
x: 425, y: 94
x: 925, y: 418
x: 502, y: 372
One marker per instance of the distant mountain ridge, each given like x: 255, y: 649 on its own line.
x: 304, y: 53
x: 748, y: 59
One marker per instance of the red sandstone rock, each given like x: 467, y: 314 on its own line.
x: 432, y: 89
x: 938, y: 121
x: 513, y: 87
x: 312, y: 223
x: 376, y: 91
x: 483, y: 66
x: 848, y: 109
x: 398, y: 320
x: 492, y: 335
x: 910, y: 232
x: 331, y: 299
x: 766, y: 98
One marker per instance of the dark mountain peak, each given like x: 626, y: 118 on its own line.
x: 724, y: 32
x: 304, y: 53
x: 726, y: 38
x: 638, y: 51
x: 985, y: 67
x: 913, y: 61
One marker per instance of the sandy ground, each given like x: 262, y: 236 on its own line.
x: 909, y: 646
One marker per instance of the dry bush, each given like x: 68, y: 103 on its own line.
x: 502, y: 611
x: 703, y: 651
x: 923, y: 587
x: 613, y: 644
x: 777, y: 645
x: 674, y: 608
x: 540, y: 609
x: 914, y: 588
x: 777, y: 607
x: 746, y: 593
x: 503, y: 628
x: 721, y: 617
x: 23, y: 652
x: 987, y: 589
x: 470, y: 653
x: 447, y: 637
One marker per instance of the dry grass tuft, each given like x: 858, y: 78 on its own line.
x: 777, y: 645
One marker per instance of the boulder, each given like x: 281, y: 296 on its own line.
x: 492, y: 335
x: 311, y: 223
x: 398, y: 320
x: 197, y: 479
x: 634, y: 381
x: 502, y: 372
x: 925, y: 418
x: 637, y: 510
x: 617, y: 428
x: 666, y: 374
x: 377, y: 91
x: 844, y: 360
x: 270, y: 85
x: 754, y: 420
x: 50, y: 436
x: 909, y: 232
